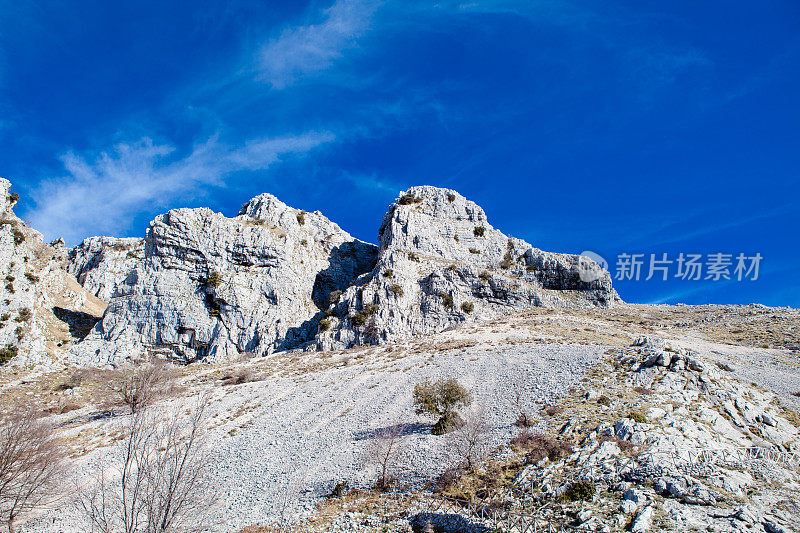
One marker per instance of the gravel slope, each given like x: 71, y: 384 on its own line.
x: 279, y: 445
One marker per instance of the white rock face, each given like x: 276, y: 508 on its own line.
x: 212, y: 287
x: 101, y: 264
x: 441, y: 263
x: 43, y: 310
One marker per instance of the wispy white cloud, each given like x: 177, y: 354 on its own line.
x: 303, y: 50
x: 102, y: 192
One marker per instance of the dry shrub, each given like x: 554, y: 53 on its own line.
x: 542, y: 446
x: 384, y: 453
x: 642, y: 390
x: 142, y: 386
x: 553, y: 410
x: 239, y: 377
x: 470, y: 442
x: 30, y: 463
x: 163, y: 461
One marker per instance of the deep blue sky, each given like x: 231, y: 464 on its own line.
x: 617, y: 127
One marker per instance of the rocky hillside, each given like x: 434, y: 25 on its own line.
x: 43, y: 311
x: 441, y: 264
x: 204, y: 286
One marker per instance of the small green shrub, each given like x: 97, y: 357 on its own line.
x: 479, y: 231
x: 451, y: 197
x: 396, y: 289
x: 441, y: 398
x: 19, y: 237
x: 13, y: 198
x: 4, y: 317
x: 507, y: 261
x: 10, y: 287
x: 447, y: 299
x: 467, y: 307
x: 413, y: 256
x: 301, y: 218
x: 580, y: 490
x: 8, y: 353
x: 24, y: 315
x: 213, y: 279
x: 360, y: 318
x: 409, y: 198
x: 389, y: 273
x: 485, y: 276
x: 324, y: 325
x: 637, y: 417
x: 604, y: 400
x: 32, y: 277
x: 10, y: 278
x: 333, y: 297
x: 474, y: 251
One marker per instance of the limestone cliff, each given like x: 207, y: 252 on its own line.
x: 441, y: 264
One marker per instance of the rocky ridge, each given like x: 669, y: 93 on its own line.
x: 44, y: 310
x: 275, y: 277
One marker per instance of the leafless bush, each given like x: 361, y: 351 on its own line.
x: 384, y: 452
x: 518, y: 397
x: 470, y: 441
x: 142, y: 386
x: 156, y: 484
x: 30, y: 463
x: 553, y: 410
x: 239, y: 377
x: 541, y: 446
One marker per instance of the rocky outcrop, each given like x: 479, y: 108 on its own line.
x: 101, y: 264
x: 211, y: 287
x: 43, y: 310
x: 441, y: 264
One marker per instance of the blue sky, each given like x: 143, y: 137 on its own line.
x: 617, y: 127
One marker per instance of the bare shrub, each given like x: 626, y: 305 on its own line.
x: 30, y: 463
x: 553, y: 410
x: 384, y: 453
x: 239, y: 377
x: 156, y: 484
x: 517, y: 397
x: 541, y: 446
x: 470, y: 442
x: 142, y: 386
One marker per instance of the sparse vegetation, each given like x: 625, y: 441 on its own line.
x: 479, y: 231
x: 507, y: 261
x: 213, y: 279
x: 30, y: 463
x: 301, y: 218
x: 10, y: 287
x: 13, y: 198
x: 142, y: 386
x: 5, y: 317
x: 163, y: 460
x: 409, y: 198
x: 485, y: 276
x: 604, y: 400
x: 396, y: 289
x: 553, y: 410
x: 333, y: 297
x: 579, y: 491
x: 7, y: 353
x: 383, y: 453
x: 413, y: 257
x: 447, y: 299
x: 451, y: 197
x: 324, y: 325
x: 469, y: 439
x: 19, y: 237
x: 474, y: 251
x: 467, y: 307
x: 388, y: 273
x: 637, y: 417
x: 24, y: 315
x: 32, y: 277
x: 441, y: 398
x: 360, y: 318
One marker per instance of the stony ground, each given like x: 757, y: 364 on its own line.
x: 299, y: 423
